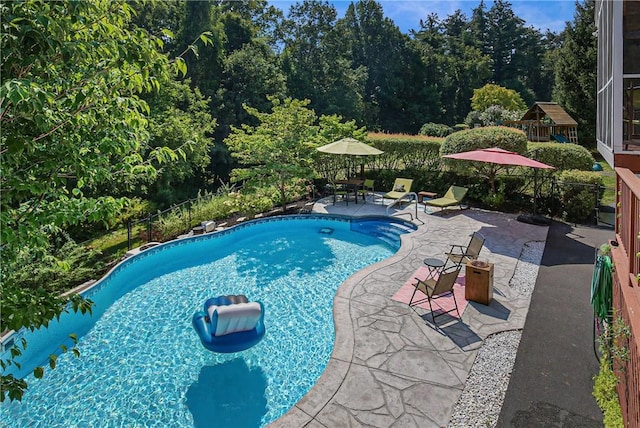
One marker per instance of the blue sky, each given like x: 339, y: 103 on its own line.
x: 406, y: 14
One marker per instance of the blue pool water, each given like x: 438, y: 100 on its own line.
x: 142, y: 363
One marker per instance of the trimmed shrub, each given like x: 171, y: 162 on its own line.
x: 460, y: 127
x: 563, y: 156
x: 578, y: 194
x: 473, y: 119
x: 503, y: 137
x: 403, y: 151
x: 435, y: 130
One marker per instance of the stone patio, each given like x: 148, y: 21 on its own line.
x: 390, y: 365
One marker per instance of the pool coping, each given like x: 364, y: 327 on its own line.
x: 319, y: 407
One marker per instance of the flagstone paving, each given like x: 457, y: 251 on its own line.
x: 390, y: 365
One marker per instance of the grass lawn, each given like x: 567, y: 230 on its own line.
x: 114, y: 244
x: 609, y: 179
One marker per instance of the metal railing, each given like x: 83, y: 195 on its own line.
x: 148, y: 221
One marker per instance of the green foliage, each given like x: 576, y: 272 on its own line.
x: 61, y: 269
x: 397, y: 94
x: 404, y: 151
x: 563, y: 156
x: 579, y: 194
x: 496, y: 115
x: 435, y: 130
x: 505, y: 138
x: 277, y: 151
x: 615, y: 352
x: 210, y: 207
x: 454, y: 65
x: 576, y: 71
x: 73, y: 123
x: 606, y: 395
x: 495, y: 95
x: 316, y: 63
x: 180, y: 120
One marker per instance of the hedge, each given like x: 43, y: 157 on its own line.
x: 563, y: 156
x: 503, y: 137
x: 578, y: 194
x: 404, y: 151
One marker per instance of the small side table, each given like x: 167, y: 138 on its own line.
x: 434, y: 265
x: 428, y: 195
x: 478, y: 285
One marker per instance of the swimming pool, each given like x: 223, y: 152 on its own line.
x: 142, y: 363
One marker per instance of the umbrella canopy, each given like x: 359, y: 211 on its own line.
x: 499, y: 156
x: 349, y: 146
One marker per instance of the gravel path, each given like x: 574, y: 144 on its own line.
x: 481, y: 400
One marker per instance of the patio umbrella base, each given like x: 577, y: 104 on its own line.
x: 537, y: 219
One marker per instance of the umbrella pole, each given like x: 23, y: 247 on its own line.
x: 535, y: 189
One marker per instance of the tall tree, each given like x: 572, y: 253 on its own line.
x: 516, y: 52
x: 71, y: 119
x: 465, y: 67
x: 179, y: 118
x: 315, y: 61
x: 397, y: 96
x: 250, y: 75
x: 204, y: 64
x: 456, y: 65
x: 479, y: 26
x: 163, y: 19
x: 576, y: 71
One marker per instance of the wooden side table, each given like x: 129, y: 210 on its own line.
x: 478, y: 285
x: 428, y: 195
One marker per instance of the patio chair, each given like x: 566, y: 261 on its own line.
x: 454, y: 196
x: 460, y: 254
x: 401, y: 189
x: 367, y: 189
x: 340, y: 190
x: 435, y: 288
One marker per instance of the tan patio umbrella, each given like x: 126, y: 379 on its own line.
x: 350, y: 147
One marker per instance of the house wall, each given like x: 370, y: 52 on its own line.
x: 618, y: 69
x: 626, y: 289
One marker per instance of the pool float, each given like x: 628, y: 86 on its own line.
x: 229, y: 323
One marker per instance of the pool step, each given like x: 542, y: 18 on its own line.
x: 383, y: 230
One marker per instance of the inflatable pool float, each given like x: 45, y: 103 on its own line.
x: 229, y: 323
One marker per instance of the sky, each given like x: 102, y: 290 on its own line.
x: 406, y: 14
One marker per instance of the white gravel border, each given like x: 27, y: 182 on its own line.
x: 481, y: 400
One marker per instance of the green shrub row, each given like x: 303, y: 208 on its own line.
x: 403, y: 151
